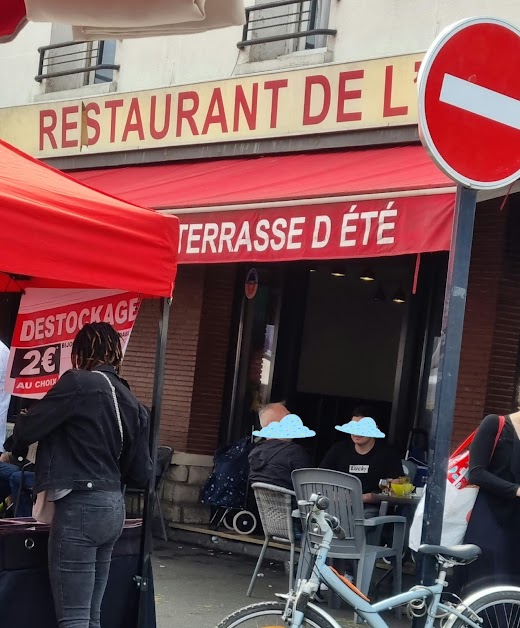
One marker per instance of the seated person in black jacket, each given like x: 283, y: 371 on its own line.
x: 364, y: 455
x: 274, y: 459
x: 9, y: 464
x: 10, y: 481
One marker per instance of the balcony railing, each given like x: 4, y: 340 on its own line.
x: 74, y: 57
x: 285, y: 19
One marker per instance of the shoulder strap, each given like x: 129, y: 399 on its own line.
x: 501, y: 425
x: 469, y: 439
x: 116, y: 406
x: 464, y: 445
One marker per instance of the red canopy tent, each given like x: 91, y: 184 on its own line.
x: 57, y: 232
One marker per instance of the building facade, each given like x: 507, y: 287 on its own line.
x: 307, y: 112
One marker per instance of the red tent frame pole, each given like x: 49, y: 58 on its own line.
x: 144, y: 570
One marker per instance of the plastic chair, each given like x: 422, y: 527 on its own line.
x: 345, y: 495
x: 275, y: 508
x: 164, y: 457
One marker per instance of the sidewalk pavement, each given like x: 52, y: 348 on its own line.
x: 198, y: 586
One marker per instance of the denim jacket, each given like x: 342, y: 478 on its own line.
x: 79, y: 439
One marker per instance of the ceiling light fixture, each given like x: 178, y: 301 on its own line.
x: 338, y: 272
x: 367, y: 275
x: 399, y: 297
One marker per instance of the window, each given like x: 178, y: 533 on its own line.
x: 105, y: 59
x: 276, y: 28
x: 71, y: 65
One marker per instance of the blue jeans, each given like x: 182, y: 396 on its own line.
x: 84, y: 530
x: 6, y: 471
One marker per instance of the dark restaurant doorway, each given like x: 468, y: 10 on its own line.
x: 325, y: 337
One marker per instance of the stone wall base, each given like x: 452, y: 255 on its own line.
x: 180, y: 491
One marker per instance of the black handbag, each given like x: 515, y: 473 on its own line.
x: 25, y: 593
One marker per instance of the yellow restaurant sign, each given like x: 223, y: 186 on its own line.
x: 324, y: 99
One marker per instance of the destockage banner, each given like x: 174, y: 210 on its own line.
x: 356, y: 229
x: 47, y: 323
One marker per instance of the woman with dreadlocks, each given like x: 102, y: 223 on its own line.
x: 93, y: 438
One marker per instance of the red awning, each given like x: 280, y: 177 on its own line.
x: 57, y: 232
x: 271, y: 178
x: 363, y: 203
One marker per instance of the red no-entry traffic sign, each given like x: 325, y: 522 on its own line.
x: 469, y: 102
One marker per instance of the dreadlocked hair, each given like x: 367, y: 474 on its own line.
x: 95, y: 344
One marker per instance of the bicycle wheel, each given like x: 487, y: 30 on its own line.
x: 269, y: 615
x: 500, y: 609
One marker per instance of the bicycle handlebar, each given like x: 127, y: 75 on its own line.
x: 335, y: 526
x: 321, y: 503
x: 340, y: 533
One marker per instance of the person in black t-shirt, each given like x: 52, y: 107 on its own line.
x: 364, y: 455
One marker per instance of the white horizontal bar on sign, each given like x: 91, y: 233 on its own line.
x: 481, y: 101
x: 311, y: 201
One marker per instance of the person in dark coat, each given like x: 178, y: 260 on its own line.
x: 274, y: 459
x: 92, y: 437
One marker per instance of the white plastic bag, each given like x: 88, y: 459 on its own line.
x: 460, y: 497
x: 457, y: 511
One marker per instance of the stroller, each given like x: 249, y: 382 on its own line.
x: 227, y: 489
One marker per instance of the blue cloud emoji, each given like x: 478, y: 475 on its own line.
x: 365, y: 427
x: 291, y: 426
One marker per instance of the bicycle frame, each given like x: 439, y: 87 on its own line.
x: 369, y: 612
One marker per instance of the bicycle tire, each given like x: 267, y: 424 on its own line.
x: 494, y: 609
x: 268, y: 610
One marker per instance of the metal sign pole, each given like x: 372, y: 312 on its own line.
x: 142, y: 576
x: 445, y: 394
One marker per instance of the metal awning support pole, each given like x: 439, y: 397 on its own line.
x: 141, y: 578
x: 445, y: 394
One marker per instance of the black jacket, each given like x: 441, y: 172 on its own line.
x: 79, y: 440
x: 273, y: 460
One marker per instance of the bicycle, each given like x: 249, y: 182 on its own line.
x: 494, y: 607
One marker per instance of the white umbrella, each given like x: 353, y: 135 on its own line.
x: 217, y: 14
x: 121, y: 19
